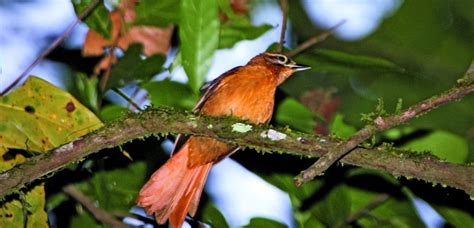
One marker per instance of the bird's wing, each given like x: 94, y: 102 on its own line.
x: 208, y: 89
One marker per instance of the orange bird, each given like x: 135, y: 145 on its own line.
x: 247, y: 92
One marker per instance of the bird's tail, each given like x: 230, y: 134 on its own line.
x: 174, y: 189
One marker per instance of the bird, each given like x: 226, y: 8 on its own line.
x: 246, y: 92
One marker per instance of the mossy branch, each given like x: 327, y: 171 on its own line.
x: 465, y: 86
x: 165, y: 121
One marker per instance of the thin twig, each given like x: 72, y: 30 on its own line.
x: 284, y: 11
x: 379, y: 124
x: 127, y: 98
x: 314, y: 40
x: 53, y: 45
x: 365, y: 210
x: 106, y: 75
x: 101, y: 215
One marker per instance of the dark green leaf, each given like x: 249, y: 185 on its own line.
x: 115, y: 189
x: 84, y: 219
x: 199, y: 36
x: 334, y: 207
x: 98, y: 20
x: 231, y: 33
x: 212, y: 216
x: 445, y: 145
x: 454, y: 216
x: 158, y: 13
x: 332, y: 61
x: 132, y: 67
x: 87, y: 90
x: 112, y: 112
x: 297, y: 194
x: 170, y: 93
x: 395, y: 212
x: 294, y: 114
x: 264, y: 222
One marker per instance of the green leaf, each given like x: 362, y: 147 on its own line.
x: 112, y: 112
x: 334, y: 207
x: 443, y: 144
x: 39, y: 116
x: 158, y: 13
x: 116, y: 189
x: 298, y: 195
x: 230, y: 33
x: 332, y: 61
x: 340, y: 128
x: 294, y: 114
x: 213, y: 217
x: 98, y: 20
x: 29, y: 213
x: 170, y: 93
x: 199, y: 36
x: 395, y: 212
x: 133, y: 67
x: 87, y: 90
x: 264, y: 222
x: 455, y: 217
x: 84, y: 219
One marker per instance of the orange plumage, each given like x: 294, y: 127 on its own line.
x: 246, y: 92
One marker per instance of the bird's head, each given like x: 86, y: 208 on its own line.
x: 280, y: 65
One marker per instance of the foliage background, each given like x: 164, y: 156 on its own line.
x: 419, y: 49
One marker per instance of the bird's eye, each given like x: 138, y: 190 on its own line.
x: 282, y: 58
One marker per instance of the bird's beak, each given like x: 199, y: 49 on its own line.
x: 296, y: 67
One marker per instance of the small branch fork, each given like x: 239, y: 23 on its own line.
x: 382, y: 123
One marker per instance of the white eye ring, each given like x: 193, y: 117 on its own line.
x: 281, y: 58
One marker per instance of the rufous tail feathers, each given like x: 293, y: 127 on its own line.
x: 174, y: 189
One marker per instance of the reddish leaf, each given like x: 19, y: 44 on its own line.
x: 94, y: 44
x: 154, y: 39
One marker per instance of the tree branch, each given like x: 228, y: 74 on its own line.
x: 314, y: 40
x: 53, y: 45
x: 163, y: 121
x: 382, y: 123
x: 99, y: 214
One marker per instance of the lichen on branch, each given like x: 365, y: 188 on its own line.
x: 164, y: 121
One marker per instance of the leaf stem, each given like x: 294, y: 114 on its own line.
x: 314, y: 40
